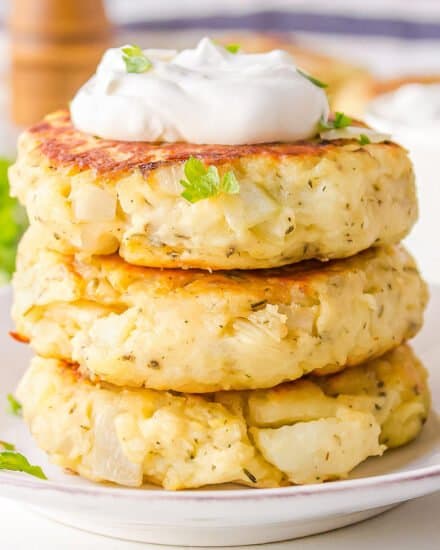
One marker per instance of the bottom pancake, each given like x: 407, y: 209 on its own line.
x: 308, y: 431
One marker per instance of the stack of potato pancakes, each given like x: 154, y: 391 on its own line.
x: 255, y: 337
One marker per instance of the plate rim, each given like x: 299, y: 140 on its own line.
x: 385, y: 480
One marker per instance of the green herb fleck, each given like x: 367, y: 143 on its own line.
x: 250, y: 475
x: 135, y: 60
x: 340, y: 121
x: 364, y: 140
x: 14, y: 405
x: 7, y: 446
x: 233, y: 48
x: 10, y: 460
x: 203, y: 182
x: 312, y: 79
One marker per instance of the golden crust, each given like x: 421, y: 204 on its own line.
x: 304, y: 432
x: 62, y: 145
x: 297, y: 201
x: 200, y: 332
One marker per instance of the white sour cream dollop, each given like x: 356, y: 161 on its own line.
x: 205, y: 95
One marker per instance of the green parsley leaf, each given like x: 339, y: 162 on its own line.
x: 312, y: 79
x: 229, y: 184
x: 135, y: 60
x: 364, y: 140
x: 7, y: 446
x: 14, y: 405
x: 233, y: 48
x: 203, y: 182
x: 340, y: 121
x: 11, y: 460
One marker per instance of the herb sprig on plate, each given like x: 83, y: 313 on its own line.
x: 15, y: 407
x: 13, y: 461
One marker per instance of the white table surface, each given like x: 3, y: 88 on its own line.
x: 414, y: 525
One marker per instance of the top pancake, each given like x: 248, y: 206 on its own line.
x: 297, y: 201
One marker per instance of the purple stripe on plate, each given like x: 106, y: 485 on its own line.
x: 308, y: 22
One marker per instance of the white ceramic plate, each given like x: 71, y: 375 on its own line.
x: 229, y: 515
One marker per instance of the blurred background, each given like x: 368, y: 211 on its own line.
x: 368, y: 53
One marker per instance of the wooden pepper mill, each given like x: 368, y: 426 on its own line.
x: 55, y: 47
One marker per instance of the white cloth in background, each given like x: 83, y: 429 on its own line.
x: 134, y: 10
x: 390, y: 37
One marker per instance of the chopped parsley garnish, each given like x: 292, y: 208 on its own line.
x: 6, y: 446
x: 340, y: 121
x: 312, y: 79
x: 16, y: 462
x: 364, y: 140
x: 135, y: 60
x: 233, y: 48
x: 14, y: 405
x: 203, y: 182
